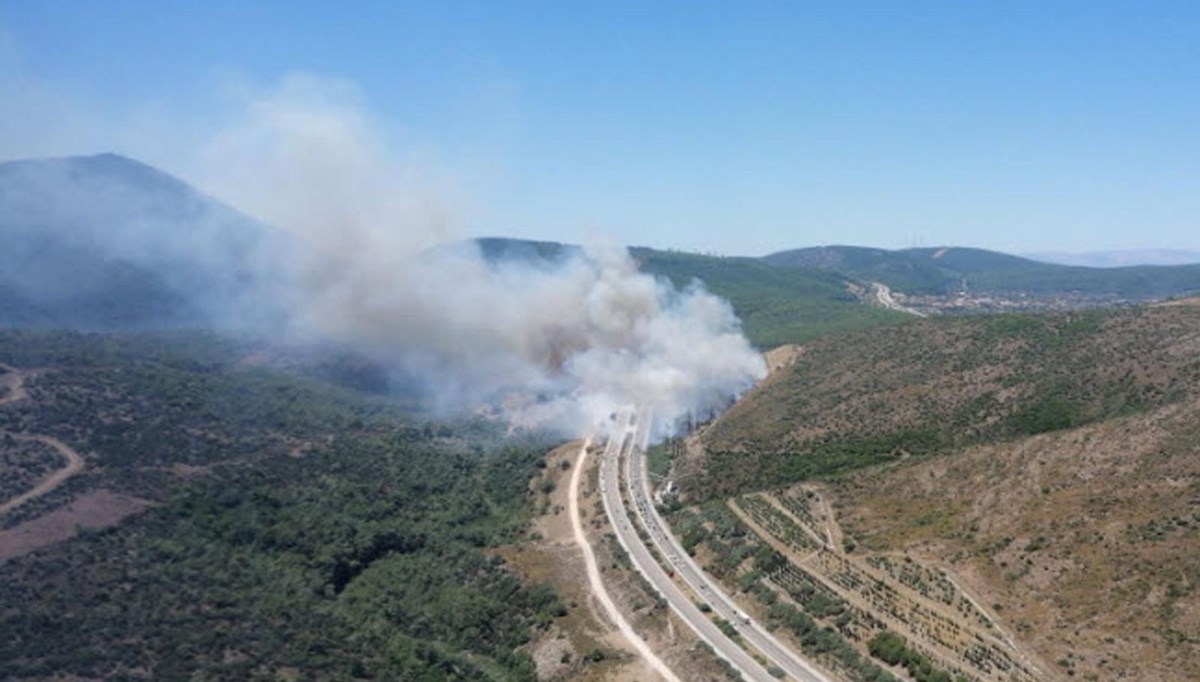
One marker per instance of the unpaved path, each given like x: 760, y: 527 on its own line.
x: 74, y: 466
x: 14, y: 380
x: 597, y: 585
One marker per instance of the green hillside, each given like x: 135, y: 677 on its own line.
x: 776, y: 305
x: 946, y: 270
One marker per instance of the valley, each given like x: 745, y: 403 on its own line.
x: 599, y: 342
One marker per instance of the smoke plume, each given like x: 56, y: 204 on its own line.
x: 373, y: 261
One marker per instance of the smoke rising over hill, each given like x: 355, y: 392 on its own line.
x: 369, y: 259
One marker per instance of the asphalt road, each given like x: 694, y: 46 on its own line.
x: 629, y: 437
x: 687, y: 570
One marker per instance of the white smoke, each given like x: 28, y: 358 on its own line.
x: 578, y: 336
x: 559, y: 342
x: 587, y: 335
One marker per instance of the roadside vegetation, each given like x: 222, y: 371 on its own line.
x: 814, y: 620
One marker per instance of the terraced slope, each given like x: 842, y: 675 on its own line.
x: 1084, y: 540
x: 1045, y: 465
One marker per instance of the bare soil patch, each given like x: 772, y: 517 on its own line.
x: 12, y: 385
x: 565, y: 651
x: 96, y: 509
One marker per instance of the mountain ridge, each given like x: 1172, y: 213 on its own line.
x: 109, y: 242
x: 949, y: 270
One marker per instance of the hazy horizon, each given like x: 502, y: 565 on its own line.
x: 740, y: 131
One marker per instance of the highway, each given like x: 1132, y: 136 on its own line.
x: 691, y: 573
x: 628, y: 438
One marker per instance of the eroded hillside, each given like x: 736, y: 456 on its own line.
x: 1048, y: 464
x: 1084, y: 540
x: 933, y: 386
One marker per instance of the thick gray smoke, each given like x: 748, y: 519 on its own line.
x: 378, y: 266
x: 571, y: 341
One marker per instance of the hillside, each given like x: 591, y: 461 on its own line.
x: 106, y: 242
x: 939, y: 384
x: 237, y: 518
x: 1047, y: 462
x: 1084, y: 540
x: 776, y: 306
x: 941, y: 271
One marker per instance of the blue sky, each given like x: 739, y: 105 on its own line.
x: 735, y: 128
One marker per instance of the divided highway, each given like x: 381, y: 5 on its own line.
x: 628, y: 438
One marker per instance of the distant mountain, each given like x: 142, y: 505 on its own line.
x: 106, y: 242
x: 776, y: 305
x: 947, y: 270
x: 496, y: 249
x: 1117, y: 259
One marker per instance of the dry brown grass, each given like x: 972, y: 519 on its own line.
x: 550, y: 556
x: 941, y: 384
x: 1086, y: 540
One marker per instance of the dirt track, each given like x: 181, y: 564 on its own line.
x: 14, y: 380
x: 74, y: 466
x: 597, y: 586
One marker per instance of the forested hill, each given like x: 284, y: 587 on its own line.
x: 106, y: 242
x: 248, y: 520
x: 776, y: 305
x: 954, y: 269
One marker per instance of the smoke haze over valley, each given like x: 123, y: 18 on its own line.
x: 355, y: 250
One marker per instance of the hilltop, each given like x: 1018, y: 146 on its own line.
x: 107, y: 242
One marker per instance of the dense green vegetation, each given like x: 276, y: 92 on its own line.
x: 939, y: 271
x: 892, y: 649
x: 776, y: 305
x: 319, y: 534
